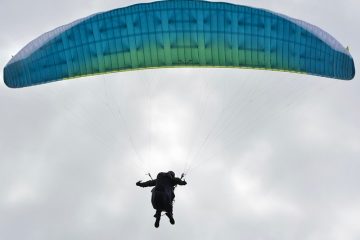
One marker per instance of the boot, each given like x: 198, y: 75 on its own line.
x: 157, y: 216
x: 157, y: 222
x: 171, y: 218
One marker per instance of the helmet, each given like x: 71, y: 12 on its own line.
x: 171, y: 173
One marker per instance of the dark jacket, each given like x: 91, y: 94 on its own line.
x: 164, y: 182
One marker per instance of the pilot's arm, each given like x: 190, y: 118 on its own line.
x: 179, y: 181
x: 150, y: 183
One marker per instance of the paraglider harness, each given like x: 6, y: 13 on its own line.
x: 182, y: 177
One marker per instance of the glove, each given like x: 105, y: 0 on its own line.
x: 138, y: 183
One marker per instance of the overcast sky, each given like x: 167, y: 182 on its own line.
x: 269, y: 155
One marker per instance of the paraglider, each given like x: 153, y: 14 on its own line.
x: 163, y: 195
x: 180, y: 33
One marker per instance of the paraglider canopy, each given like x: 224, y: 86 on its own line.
x: 179, y: 33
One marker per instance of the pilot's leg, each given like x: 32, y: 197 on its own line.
x: 157, y: 216
x: 169, y: 213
